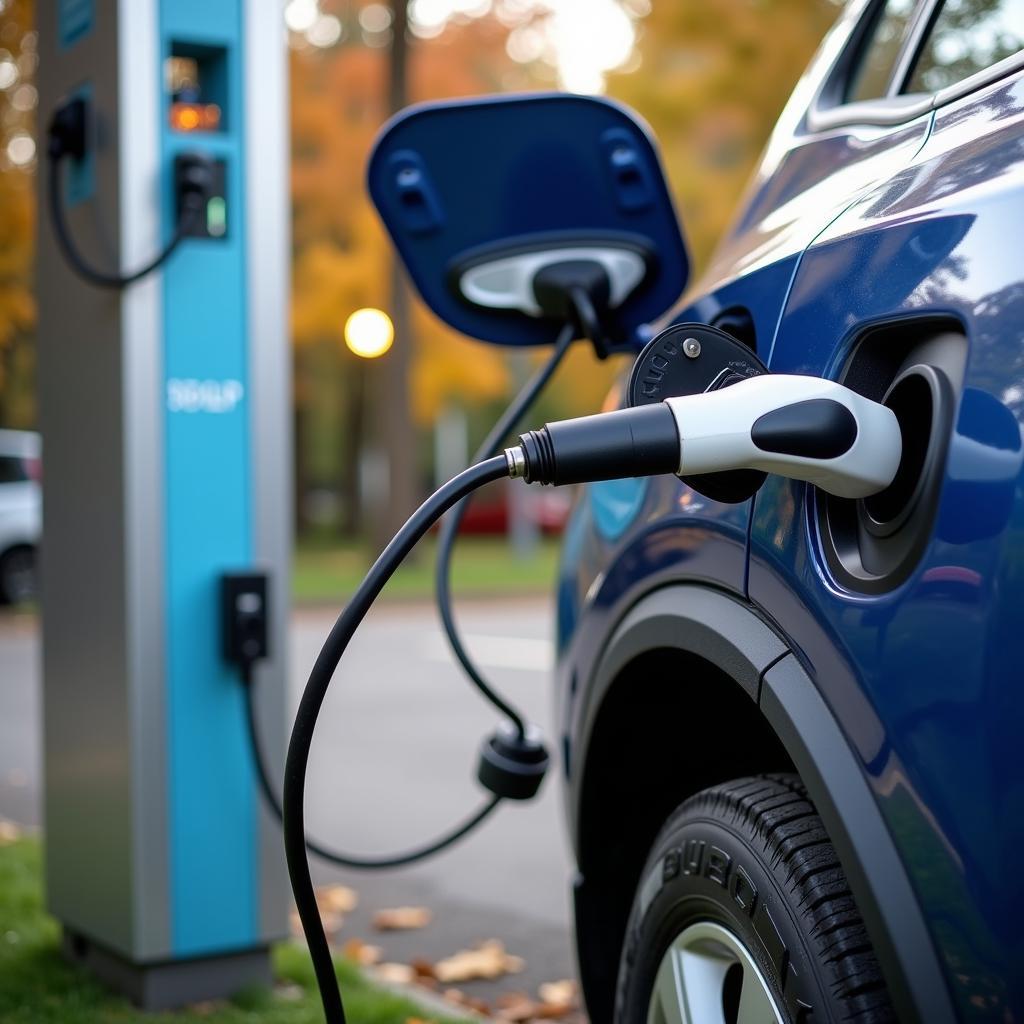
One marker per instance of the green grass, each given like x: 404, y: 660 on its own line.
x: 38, y: 987
x: 327, y: 570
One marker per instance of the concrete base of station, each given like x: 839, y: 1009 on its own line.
x: 170, y: 985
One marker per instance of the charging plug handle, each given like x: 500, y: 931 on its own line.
x: 67, y: 133
x: 805, y: 428
x: 579, y: 292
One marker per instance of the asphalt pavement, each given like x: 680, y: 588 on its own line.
x: 392, y: 765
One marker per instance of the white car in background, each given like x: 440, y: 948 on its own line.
x: 21, y: 514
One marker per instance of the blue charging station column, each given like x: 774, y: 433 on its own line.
x: 166, y: 424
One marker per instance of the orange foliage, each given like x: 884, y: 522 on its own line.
x: 17, y: 224
x: 342, y: 255
x: 712, y: 79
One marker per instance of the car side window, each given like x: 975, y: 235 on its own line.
x: 965, y: 37
x: 880, y: 51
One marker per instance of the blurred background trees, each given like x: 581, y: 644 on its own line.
x: 710, y: 76
x: 17, y: 212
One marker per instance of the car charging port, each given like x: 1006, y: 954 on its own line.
x: 872, y: 545
x: 916, y: 396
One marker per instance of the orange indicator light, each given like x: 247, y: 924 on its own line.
x: 192, y: 117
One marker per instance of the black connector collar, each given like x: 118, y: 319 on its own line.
x: 610, y: 446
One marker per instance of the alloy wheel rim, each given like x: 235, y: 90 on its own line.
x: 707, y: 976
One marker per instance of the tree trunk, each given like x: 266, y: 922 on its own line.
x: 392, y: 403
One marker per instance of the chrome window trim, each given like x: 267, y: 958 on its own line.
x: 896, y: 108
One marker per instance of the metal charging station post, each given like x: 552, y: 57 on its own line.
x: 165, y: 413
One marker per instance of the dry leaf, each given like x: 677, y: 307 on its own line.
x: 518, y: 1008
x: 333, y: 923
x: 558, y: 993
x: 459, y: 998
x: 9, y: 832
x: 401, y: 919
x: 362, y: 952
x: 337, y: 898
x: 424, y: 970
x: 396, y: 974
x: 487, y: 961
x: 510, y: 998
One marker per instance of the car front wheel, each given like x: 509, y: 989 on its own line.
x: 743, y: 916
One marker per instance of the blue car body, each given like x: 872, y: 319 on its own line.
x: 901, y: 704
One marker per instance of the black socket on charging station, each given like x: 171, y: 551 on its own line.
x: 690, y: 359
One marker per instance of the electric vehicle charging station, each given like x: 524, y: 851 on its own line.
x: 165, y: 413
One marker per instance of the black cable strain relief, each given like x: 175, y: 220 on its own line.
x: 513, y: 766
x: 540, y: 456
x: 642, y: 441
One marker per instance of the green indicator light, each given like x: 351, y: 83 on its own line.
x: 216, y: 216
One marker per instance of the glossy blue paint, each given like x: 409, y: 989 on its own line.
x: 922, y: 678
x: 538, y: 167
x: 843, y: 231
x: 213, y: 849
x: 614, y: 504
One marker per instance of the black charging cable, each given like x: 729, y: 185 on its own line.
x: 313, y: 697
x: 511, y: 766
x: 491, y: 445
x: 629, y: 442
x: 67, y: 138
x: 347, y: 860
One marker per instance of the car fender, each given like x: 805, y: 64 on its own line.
x: 727, y: 633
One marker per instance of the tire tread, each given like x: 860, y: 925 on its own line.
x: 775, y: 808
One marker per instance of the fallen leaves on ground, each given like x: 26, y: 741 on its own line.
x: 394, y: 974
x: 557, y: 999
x: 516, y: 1006
x: 333, y: 923
x: 337, y: 898
x: 424, y: 971
x: 488, y: 961
x: 559, y: 993
x: 401, y: 919
x: 459, y: 998
x: 362, y: 952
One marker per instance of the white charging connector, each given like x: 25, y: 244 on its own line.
x: 801, y: 427
x: 804, y: 428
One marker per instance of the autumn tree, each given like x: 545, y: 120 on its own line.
x: 17, y: 213
x: 711, y: 78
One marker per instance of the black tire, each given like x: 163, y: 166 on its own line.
x: 18, y: 575
x: 753, y: 856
